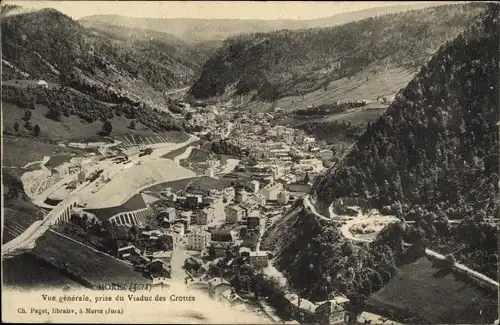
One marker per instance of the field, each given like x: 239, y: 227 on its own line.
x: 71, y: 128
x: 84, y: 264
x: 198, y: 156
x: 357, y: 116
x: 136, y: 202
x: 21, y: 151
x: 364, y: 85
x: 18, y: 216
x: 56, y: 161
x: 437, y: 297
x: 20, y: 83
x: 174, y: 153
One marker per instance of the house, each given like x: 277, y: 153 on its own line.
x: 156, y: 265
x: 283, y: 197
x: 129, y: 249
x: 271, y: 133
x: 234, y: 213
x: 167, y: 215
x: 42, y: 84
x: 205, y: 216
x: 259, y: 259
x: 241, y: 196
x: 254, y: 185
x: 301, y: 309
x: 151, y: 234
x: 310, y: 164
x: 216, y: 287
x: 330, y: 313
x: 253, y: 220
x: 198, y: 240
x: 195, y: 198
x: 231, y: 298
x: 212, y: 163
x: 288, y: 178
x: 186, y: 216
x: 271, y: 191
x: 212, y: 199
x: 245, y: 251
x: 229, y: 193
x: 221, y: 237
x: 165, y: 257
x: 369, y: 318
x: 210, y: 172
x: 327, y: 312
x: 198, y: 285
x: 256, y: 129
x: 248, y: 207
x: 179, y: 230
x: 259, y: 199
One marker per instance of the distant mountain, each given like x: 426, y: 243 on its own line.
x: 189, y: 55
x: 269, y: 66
x: 198, y: 30
x: 432, y: 156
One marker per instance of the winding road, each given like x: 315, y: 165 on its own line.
x: 345, y: 230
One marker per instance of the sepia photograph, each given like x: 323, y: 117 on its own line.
x: 250, y: 162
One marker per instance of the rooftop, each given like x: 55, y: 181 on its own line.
x: 369, y: 318
x: 217, y: 281
x: 259, y: 253
x: 305, y: 304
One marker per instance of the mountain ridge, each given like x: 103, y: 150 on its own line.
x: 270, y: 66
x: 228, y: 27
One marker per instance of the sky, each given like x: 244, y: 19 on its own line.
x: 208, y: 9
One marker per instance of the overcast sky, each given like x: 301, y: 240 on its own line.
x: 207, y: 9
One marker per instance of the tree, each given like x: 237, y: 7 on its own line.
x: 32, y: 103
x: 307, y: 179
x: 132, y: 125
x: 16, y: 127
x: 27, y: 115
x: 54, y: 114
x: 36, y: 130
x: 107, y: 127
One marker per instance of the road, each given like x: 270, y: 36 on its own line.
x: 184, y: 155
x: 346, y: 233
x: 176, y: 91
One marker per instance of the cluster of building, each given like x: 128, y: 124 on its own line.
x: 327, y: 312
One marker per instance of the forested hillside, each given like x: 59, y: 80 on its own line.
x: 437, y: 144
x: 285, y: 63
x: 49, y: 45
x: 432, y: 157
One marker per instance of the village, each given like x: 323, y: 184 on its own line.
x: 205, y: 231
x: 202, y: 226
x: 213, y: 232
